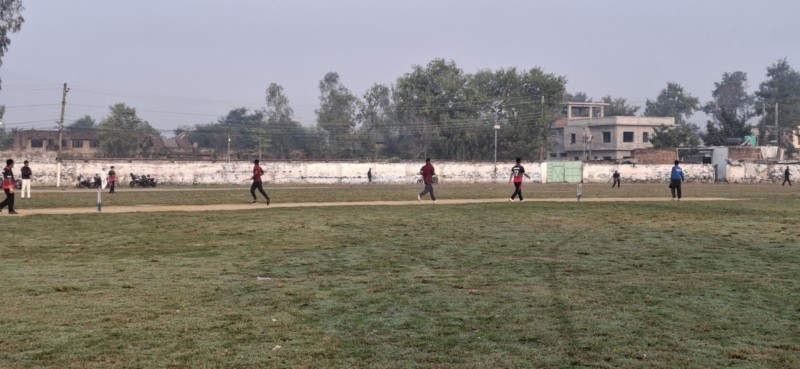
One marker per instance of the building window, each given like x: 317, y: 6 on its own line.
x: 627, y: 136
x: 645, y: 137
x: 607, y: 158
x: 94, y: 143
x: 553, y: 155
x: 37, y: 143
x: 77, y: 143
x: 572, y: 138
x: 563, y: 155
x: 576, y: 158
x: 606, y: 137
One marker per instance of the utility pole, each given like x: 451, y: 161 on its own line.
x: 61, y: 134
x: 777, y: 130
x: 229, y: 146
x: 542, y: 152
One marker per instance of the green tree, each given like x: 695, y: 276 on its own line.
x: 619, y: 107
x: 285, y: 135
x: 672, y: 102
x: 337, y: 115
x: 375, y: 122
x: 6, y: 139
x: 782, y: 88
x: 439, y: 112
x: 681, y: 135
x: 83, y: 123
x: 245, y: 129
x: 10, y: 22
x: 579, y: 96
x: 732, y: 106
x: 525, y: 104
x: 121, y: 132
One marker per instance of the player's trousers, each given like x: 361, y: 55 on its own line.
x: 26, y: 188
x: 616, y: 183
x: 260, y: 187
x: 428, y: 188
x: 786, y: 180
x: 9, y: 201
x: 675, y: 186
x: 517, y: 191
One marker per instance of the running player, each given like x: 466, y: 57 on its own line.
x: 427, y: 173
x: 257, y: 173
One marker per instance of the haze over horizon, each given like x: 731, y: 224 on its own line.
x: 182, y: 63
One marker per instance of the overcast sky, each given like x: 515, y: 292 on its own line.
x: 187, y: 62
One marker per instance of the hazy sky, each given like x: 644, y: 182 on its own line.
x: 187, y: 62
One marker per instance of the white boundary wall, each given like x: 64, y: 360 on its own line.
x: 45, y: 167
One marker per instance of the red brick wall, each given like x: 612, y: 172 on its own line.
x: 654, y: 156
x: 744, y: 153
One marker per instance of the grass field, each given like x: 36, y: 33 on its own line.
x: 535, y: 285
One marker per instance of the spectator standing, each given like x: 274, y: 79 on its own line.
x: 786, y: 176
x: 112, y: 179
x: 26, y: 173
x: 369, y: 175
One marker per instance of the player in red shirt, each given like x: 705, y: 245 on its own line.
x: 257, y: 173
x: 517, y: 172
x: 9, y: 183
x: 427, y: 172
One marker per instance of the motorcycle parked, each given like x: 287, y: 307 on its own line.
x: 142, y: 181
x: 89, y: 182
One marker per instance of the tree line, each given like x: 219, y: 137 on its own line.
x: 438, y: 110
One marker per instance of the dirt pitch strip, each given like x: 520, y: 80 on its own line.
x: 261, y: 205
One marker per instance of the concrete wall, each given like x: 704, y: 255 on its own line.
x: 600, y: 173
x: 45, y: 167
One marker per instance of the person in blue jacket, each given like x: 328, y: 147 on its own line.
x: 675, y: 180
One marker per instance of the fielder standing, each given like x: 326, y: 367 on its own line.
x: 675, y: 180
x: 26, y: 174
x: 517, y: 171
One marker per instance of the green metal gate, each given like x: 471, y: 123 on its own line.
x: 564, y: 171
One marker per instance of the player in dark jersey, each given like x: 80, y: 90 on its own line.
x: 9, y: 183
x: 517, y: 171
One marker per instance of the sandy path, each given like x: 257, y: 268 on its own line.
x: 232, y: 207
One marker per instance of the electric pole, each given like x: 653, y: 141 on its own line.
x: 61, y: 134
x: 61, y: 121
x: 777, y: 130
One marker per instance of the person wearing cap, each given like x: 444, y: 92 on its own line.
x: 112, y: 179
x: 26, y: 179
x: 675, y: 180
x: 257, y: 183
x: 8, y: 187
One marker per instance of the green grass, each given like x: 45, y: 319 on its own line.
x: 534, y: 285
